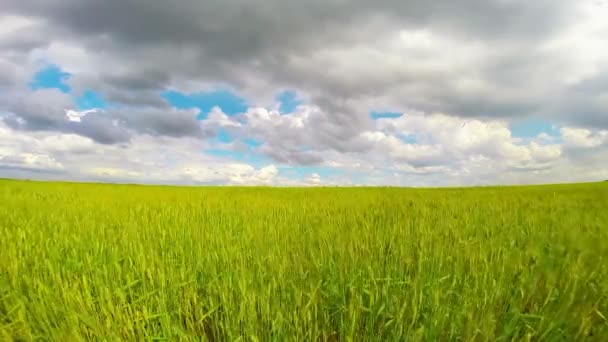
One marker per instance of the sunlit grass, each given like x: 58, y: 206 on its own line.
x: 109, y: 262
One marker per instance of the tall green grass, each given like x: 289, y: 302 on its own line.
x: 116, y: 262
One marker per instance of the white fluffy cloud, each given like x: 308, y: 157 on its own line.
x: 314, y: 179
x: 414, y: 149
x: 146, y: 159
x: 584, y: 138
x: 460, y: 150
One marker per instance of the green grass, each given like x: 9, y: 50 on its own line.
x: 117, y: 262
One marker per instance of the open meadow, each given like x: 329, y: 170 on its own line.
x: 81, y: 262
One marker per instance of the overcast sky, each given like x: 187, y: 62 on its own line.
x: 318, y: 92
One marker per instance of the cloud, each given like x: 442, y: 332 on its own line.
x: 314, y: 179
x: 52, y: 109
x: 159, y: 121
x: 40, y: 109
x: 460, y: 72
x: 76, y: 116
x: 387, y: 160
x: 454, y: 149
x: 146, y: 159
x: 584, y: 138
x: 30, y: 162
x: 353, y: 51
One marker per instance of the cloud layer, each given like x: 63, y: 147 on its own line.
x: 478, y: 92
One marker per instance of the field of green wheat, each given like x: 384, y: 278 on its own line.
x: 83, y: 262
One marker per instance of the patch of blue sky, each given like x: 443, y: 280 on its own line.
x: 245, y: 157
x: 530, y: 128
x: 218, y: 152
x: 359, y: 178
x: 223, y: 136
x: 408, y: 138
x: 252, y: 142
x: 303, y: 172
x: 384, y: 115
x: 229, y: 102
x: 90, y: 100
x: 289, y: 101
x: 51, y: 77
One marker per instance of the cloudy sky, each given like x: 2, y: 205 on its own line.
x: 335, y: 92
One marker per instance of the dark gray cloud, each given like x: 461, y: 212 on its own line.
x: 46, y: 109
x: 240, y: 25
x: 7, y: 74
x: 155, y: 43
x: 159, y: 121
x: 41, y: 109
x: 585, y: 103
x: 101, y: 129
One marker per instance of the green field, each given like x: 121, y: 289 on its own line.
x: 122, y: 262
